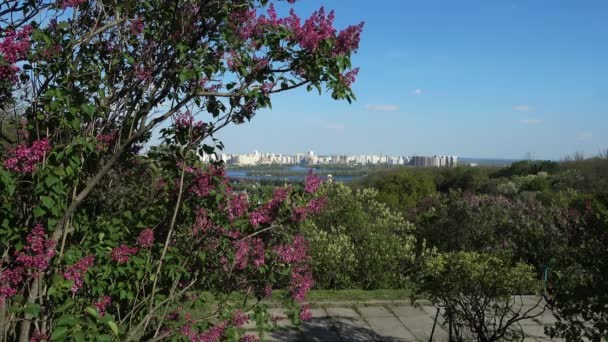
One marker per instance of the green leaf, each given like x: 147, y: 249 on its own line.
x: 32, y: 308
x: 114, y: 327
x: 39, y: 212
x: 92, y: 312
x: 51, y: 180
x: 47, y: 202
x: 59, y: 333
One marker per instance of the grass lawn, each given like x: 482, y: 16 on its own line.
x: 358, y: 295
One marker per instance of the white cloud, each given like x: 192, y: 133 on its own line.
x: 382, y: 108
x: 531, y: 122
x: 523, y: 108
x: 585, y: 136
x: 417, y: 91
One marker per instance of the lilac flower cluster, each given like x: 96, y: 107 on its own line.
x: 239, y: 318
x: 137, y: 26
x: 212, y: 335
x: 237, y: 206
x: 146, y: 238
x: 37, y: 253
x: 71, y: 3
x: 24, y: 159
x: 258, y: 252
x: 104, y: 141
x: 122, y: 254
x: 267, y: 213
x: 312, y: 182
x: 309, y: 35
x: 13, y: 48
x: 102, y: 304
x: 9, y: 280
x: 249, y: 338
x: 296, y: 252
x: 305, y: 313
x: 35, y: 257
x: 316, y: 205
x: 202, y: 222
x: 301, y: 282
x: 204, y: 181
x: 77, y: 271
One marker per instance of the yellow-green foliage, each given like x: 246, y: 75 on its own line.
x: 470, y: 273
x: 358, y: 242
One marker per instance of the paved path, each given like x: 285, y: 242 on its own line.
x: 382, y: 321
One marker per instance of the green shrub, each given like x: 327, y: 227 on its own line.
x: 358, y: 242
x: 479, y: 294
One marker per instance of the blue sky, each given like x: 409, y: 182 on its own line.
x: 476, y: 78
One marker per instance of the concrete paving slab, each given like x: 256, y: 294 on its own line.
x: 374, y: 311
x: 319, y: 329
x: 350, y: 325
x: 390, y: 329
x: 283, y: 334
x: 419, y: 323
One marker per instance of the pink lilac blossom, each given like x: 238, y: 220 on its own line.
x: 249, y: 338
x: 202, y: 222
x: 267, y: 291
x: 349, y: 78
x: 312, y: 182
x: 146, y: 238
x: 348, y: 40
x: 237, y: 206
x: 309, y: 35
x: 317, y: 28
x: 143, y: 73
x: 316, y: 205
x: 13, y: 48
x: 9, y: 279
x: 77, y: 271
x: 71, y: 3
x: 122, y: 254
x: 241, y: 254
x: 296, y: 252
x: 24, y: 159
x: 187, y: 331
x: 137, y: 26
x: 104, y: 141
x: 37, y: 253
x: 258, y: 252
x: 212, y: 335
x: 298, y: 215
x: 266, y: 88
x: 102, y: 304
x: 239, y: 318
x: 39, y: 336
x: 267, y: 213
x: 301, y: 282
x: 305, y: 313
x: 50, y: 52
x: 204, y: 181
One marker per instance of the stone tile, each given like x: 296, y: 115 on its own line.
x: 342, y: 312
x: 284, y: 321
x: 419, y: 323
x: 534, y: 331
x: 390, y: 329
x: 374, y: 311
x: 319, y: 329
x: 349, y: 325
x: 283, y: 334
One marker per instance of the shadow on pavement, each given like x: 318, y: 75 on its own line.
x: 336, y: 329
